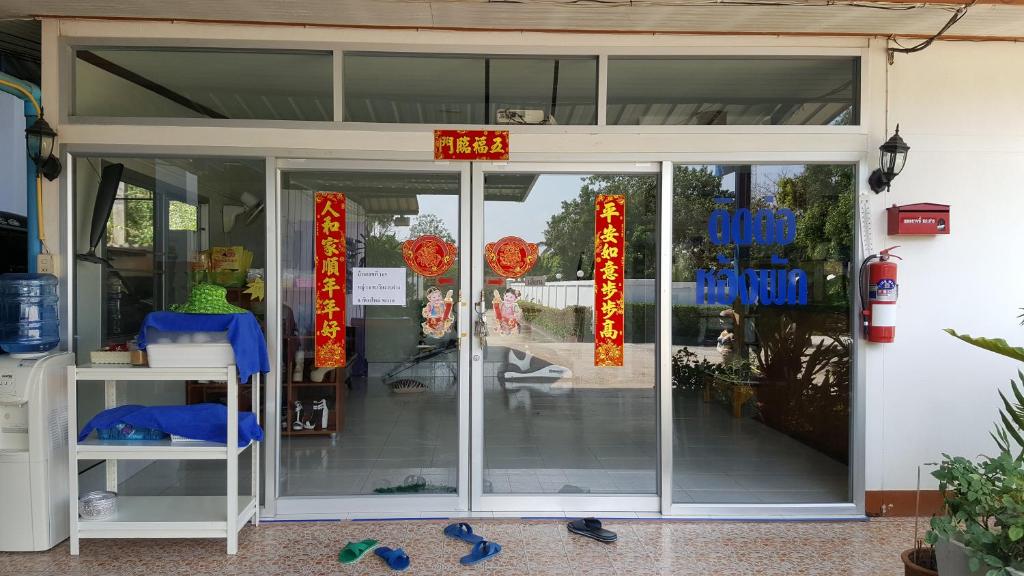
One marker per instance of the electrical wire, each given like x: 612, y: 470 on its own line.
x: 957, y: 16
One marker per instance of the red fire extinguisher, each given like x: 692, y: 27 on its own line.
x: 879, y: 290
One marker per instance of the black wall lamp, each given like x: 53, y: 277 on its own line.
x: 39, y: 139
x: 892, y: 157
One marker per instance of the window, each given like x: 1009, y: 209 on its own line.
x: 203, y: 83
x: 167, y: 216
x: 762, y: 289
x: 131, y: 218
x: 468, y: 89
x: 747, y: 91
x: 182, y: 216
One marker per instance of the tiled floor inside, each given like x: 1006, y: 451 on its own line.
x: 538, y: 441
x: 529, y: 547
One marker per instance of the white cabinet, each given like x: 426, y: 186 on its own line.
x: 164, y: 516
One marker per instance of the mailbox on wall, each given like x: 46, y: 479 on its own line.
x: 921, y: 219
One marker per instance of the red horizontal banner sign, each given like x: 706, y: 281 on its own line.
x: 471, y: 145
x: 329, y: 264
x: 609, y: 269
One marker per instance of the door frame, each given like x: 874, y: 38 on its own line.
x: 553, y: 503
x: 365, y: 505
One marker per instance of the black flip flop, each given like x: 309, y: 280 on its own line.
x: 591, y: 528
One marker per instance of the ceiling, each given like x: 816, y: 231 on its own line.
x: 1002, y: 19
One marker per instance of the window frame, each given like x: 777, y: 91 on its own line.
x: 752, y: 50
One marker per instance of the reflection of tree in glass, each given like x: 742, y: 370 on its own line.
x: 182, y: 216
x: 694, y: 190
x: 430, y: 224
x: 822, y: 199
x: 131, y: 219
x: 571, y: 232
x: 380, y: 246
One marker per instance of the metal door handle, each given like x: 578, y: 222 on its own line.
x: 480, y: 325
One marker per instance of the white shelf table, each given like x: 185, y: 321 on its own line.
x: 163, y: 516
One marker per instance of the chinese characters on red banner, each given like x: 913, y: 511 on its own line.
x: 471, y: 145
x: 609, y: 260
x: 329, y: 274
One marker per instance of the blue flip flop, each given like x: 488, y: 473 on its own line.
x: 482, y: 550
x: 462, y: 531
x: 397, y: 559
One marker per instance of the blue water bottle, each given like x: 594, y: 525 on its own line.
x: 29, y: 324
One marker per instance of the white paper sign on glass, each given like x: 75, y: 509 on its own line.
x: 378, y: 286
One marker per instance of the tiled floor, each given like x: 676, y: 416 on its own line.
x: 551, y: 439
x: 538, y: 439
x: 529, y: 547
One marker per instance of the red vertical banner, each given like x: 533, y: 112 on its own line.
x: 329, y: 267
x: 609, y: 269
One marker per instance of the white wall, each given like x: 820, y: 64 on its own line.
x: 12, y: 154
x: 960, y: 108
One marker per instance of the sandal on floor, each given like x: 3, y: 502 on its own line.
x: 354, y: 551
x: 396, y: 559
x: 462, y: 531
x: 591, y: 528
x: 482, y: 550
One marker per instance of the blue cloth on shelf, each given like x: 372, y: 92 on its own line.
x: 244, y: 334
x: 196, y: 421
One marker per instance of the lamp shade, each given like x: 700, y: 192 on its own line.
x: 893, y: 155
x: 39, y: 140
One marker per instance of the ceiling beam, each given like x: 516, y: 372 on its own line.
x: 598, y: 31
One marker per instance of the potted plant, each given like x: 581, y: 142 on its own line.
x: 982, y: 531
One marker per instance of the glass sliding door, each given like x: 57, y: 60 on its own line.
x: 554, y: 430
x: 762, y: 289
x: 387, y: 424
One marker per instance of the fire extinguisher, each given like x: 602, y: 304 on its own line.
x: 879, y: 290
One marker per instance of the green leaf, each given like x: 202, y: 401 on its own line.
x: 993, y: 561
x: 997, y: 345
x: 974, y: 563
x: 1016, y: 532
x: 1010, y: 427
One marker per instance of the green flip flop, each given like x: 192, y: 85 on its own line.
x: 354, y: 551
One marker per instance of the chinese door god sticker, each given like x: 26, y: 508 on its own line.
x: 437, y: 314
x: 471, y: 145
x: 507, y: 312
x: 432, y: 256
x: 511, y: 256
x: 329, y: 265
x: 609, y: 260
x: 429, y: 255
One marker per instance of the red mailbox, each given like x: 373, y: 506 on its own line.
x: 921, y: 219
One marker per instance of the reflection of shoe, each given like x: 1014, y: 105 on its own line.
x: 317, y: 374
x: 523, y: 363
x: 298, y: 416
x: 308, y: 425
x: 300, y: 361
x: 316, y: 414
x: 324, y: 414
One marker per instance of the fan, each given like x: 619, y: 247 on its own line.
x: 251, y: 208
x: 110, y: 179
